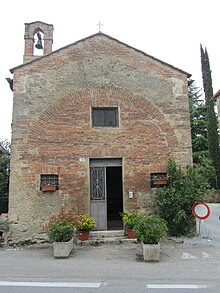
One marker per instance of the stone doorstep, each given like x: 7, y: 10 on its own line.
x: 107, y: 237
x: 107, y: 234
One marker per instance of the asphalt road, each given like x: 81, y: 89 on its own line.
x: 212, y: 223
x: 189, y: 266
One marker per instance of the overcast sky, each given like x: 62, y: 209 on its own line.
x: 170, y: 30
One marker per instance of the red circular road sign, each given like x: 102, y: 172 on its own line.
x: 201, y: 210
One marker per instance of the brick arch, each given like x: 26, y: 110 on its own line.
x: 101, y: 97
x: 153, y: 114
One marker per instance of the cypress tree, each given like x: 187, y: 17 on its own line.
x: 212, y: 123
x: 198, y: 122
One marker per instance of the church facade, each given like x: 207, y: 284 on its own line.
x: 93, y: 125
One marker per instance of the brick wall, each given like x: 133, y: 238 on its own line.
x: 52, y: 127
x: 30, y: 30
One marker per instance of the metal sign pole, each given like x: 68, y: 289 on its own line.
x: 201, y: 211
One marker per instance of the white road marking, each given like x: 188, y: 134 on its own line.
x: 50, y: 284
x: 188, y: 255
x: 174, y: 286
x: 205, y: 255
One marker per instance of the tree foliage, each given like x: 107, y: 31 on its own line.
x: 198, y: 122
x: 175, y: 202
x: 212, y: 123
x: 4, y: 174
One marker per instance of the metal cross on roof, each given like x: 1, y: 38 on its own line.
x: 99, y: 24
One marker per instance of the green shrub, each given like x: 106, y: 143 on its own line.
x: 60, y: 232
x: 175, y: 202
x: 150, y: 229
x: 61, y: 226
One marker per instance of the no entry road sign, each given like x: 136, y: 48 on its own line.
x: 201, y: 210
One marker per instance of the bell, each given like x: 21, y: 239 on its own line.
x: 39, y: 44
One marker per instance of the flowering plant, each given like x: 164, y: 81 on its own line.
x: 129, y: 219
x: 85, y: 223
x: 66, y: 216
x: 61, y: 226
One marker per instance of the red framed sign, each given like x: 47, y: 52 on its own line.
x: 201, y: 210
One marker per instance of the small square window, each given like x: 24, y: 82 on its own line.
x: 158, y: 180
x: 49, y: 182
x: 105, y: 117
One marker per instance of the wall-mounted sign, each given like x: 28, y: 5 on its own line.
x: 201, y: 210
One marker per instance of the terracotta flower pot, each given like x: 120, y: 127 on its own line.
x: 160, y: 182
x: 48, y: 188
x: 83, y: 235
x: 131, y: 234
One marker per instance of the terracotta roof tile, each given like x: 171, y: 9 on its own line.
x: 216, y: 95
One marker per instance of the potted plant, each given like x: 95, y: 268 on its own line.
x: 60, y: 230
x: 160, y: 179
x: 149, y: 230
x: 129, y: 220
x: 48, y: 187
x: 61, y: 234
x: 84, y: 226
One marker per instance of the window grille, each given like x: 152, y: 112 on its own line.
x: 49, y: 180
x: 158, y: 180
x: 97, y: 178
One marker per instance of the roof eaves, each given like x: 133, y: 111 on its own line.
x: 44, y: 56
x: 154, y: 58
x: 216, y: 95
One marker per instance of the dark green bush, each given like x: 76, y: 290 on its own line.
x: 60, y: 232
x: 175, y: 202
x: 150, y: 229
